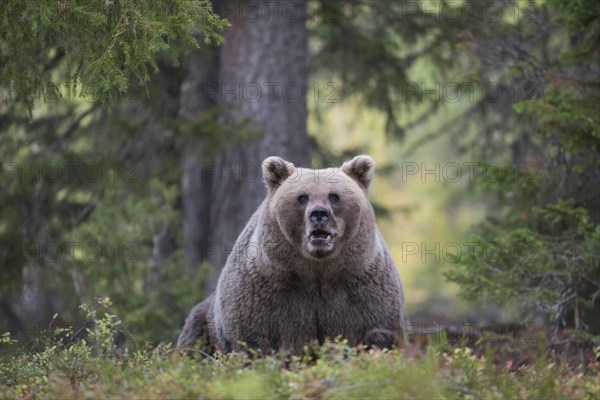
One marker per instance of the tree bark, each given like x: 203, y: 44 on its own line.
x: 262, y: 79
x: 197, y: 97
x: 168, y: 83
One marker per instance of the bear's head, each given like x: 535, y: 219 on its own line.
x: 320, y: 212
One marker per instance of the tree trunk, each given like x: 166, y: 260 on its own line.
x: 196, y: 98
x: 164, y: 241
x: 262, y: 79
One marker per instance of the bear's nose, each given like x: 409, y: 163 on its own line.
x: 319, y: 215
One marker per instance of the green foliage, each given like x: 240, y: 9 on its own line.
x: 96, y: 367
x: 539, y: 251
x: 569, y: 113
x: 106, y: 46
x: 83, y: 214
x: 576, y: 15
x: 370, y: 47
x: 551, y: 266
x: 129, y: 217
x: 6, y: 339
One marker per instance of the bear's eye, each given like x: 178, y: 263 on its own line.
x: 303, y: 198
x: 334, y: 198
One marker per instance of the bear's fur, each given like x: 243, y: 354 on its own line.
x: 309, y: 265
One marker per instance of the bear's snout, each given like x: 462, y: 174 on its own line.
x: 318, y: 215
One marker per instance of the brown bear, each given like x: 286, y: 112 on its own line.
x: 309, y: 265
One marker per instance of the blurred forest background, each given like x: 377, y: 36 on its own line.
x: 131, y: 135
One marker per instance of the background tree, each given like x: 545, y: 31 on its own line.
x: 263, y: 60
x: 539, y: 250
x: 105, y: 47
x: 59, y: 62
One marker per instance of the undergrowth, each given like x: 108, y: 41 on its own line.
x: 94, y: 366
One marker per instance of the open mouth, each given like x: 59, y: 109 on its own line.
x: 320, y: 237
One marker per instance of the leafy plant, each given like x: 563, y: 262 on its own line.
x: 107, y: 45
x: 552, y: 267
x: 93, y: 368
x: 539, y: 250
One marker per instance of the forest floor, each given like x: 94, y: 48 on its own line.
x: 500, y: 362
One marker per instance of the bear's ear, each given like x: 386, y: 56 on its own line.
x: 275, y: 171
x: 361, y: 169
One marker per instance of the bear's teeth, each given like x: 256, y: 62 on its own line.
x: 320, y: 234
